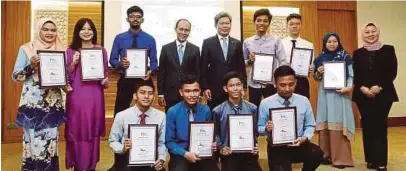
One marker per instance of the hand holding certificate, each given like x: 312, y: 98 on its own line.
x: 138, y: 63
x: 284, y: 130
x: 201, y: 138
x: 92, y: 63
x: 262, y: 69
x: 300, y: 61
x: 52, y: 69
x: 241, y: 132
x: 334, y: 75
x: 144, y: 144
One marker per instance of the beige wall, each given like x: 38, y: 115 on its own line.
x: 390, y: 16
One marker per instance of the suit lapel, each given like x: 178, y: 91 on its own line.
x: 186, y: 53
x: 231, y: 48
x: 220, y: 50
x: 174, y: 51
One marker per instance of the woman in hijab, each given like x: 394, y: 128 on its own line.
x: 40, y: 111
x: 85, y: 106
x: 375, y: 69
x: 335, y: 120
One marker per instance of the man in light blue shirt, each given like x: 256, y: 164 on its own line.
x: 231, y: 161
x: 140, y: 113
x: 281, y: 157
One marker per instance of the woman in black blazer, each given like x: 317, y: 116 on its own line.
x: 375, y: 69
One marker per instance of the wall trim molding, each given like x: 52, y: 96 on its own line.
x: 397, y: 121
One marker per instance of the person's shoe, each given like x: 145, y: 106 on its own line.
x: 370, y: 166
x: 381, y: 168
x: 339, y: 166
x: 326, y: 161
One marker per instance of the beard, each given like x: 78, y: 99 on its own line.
x: 135, y: 27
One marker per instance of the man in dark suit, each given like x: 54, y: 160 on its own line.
x: 220, y: 55
x: 177, y: 58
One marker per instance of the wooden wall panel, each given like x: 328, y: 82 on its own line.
x: 337, y: 5
x: 16, y: 20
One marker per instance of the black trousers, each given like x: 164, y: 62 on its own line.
x: 179, y: 163
x: 280, y: 158
x: 240, y: 162
x: 125, y: 91
x: 374, y: 120
x: 255, y: 94
x: 302, y: 87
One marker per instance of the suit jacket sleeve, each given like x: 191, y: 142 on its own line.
x: 162, y: 71
x: 392, y: 68
x: 204, y: 66
x: 197, y: 57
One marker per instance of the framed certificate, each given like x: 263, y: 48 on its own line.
x: 241, y: 132
x: 201, y: 138
x: 284, y: 125
x: 144, y: 139
x: 262, y: 70
x: 138, y: 63
x: 92, y: 63
x: 334, y: 75
x: 300, y: 61
x: 52, y: 69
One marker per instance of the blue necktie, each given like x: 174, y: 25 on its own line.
x: 191, y: 117
x: 286, y: 103
x: 180, y: 53
x: 224, y: 47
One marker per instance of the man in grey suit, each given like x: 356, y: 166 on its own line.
x: 178, y: 58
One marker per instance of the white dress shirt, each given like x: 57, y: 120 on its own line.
x: 300, y: 43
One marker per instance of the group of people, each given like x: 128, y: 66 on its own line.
x: 218, y: 73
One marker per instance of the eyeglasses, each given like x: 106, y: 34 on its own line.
x: 135, y: 16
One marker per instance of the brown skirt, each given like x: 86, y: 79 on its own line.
x: 336, y: 146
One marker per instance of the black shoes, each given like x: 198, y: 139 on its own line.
x: 378, y: 168
x: 326, y: 161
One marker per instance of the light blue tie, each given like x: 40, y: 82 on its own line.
x: 180, y: 53
x: 191, y: 117
x: 224, y: 47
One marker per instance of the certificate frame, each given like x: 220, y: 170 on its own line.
x: 132, y: 75
x: 101, y: 63
x: 272, y: 67
x: 310, y: 61
x: 191, y: 137
x: 63, y: 67
x: 272, y: 114
x: 344, y: 83
x: 243, y: 149
x: 136, y: 162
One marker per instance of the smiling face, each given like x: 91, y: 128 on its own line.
x: 371, y: 34
x: 262, y: 23
x: 234, y: 88
x: 144, y: 96
x: 182, y: 30
x: 48, y: 32
x: 190, y: 93
x: 86, y: 34
x: 332, y: 44
x: 223, y: 26
x: 135, y: 19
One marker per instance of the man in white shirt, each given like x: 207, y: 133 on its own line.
x: 294, y: 23
x: 141, y: 113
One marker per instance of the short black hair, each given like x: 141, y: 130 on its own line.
x: 183, y: 19
x: 221, y: 15
x: 230, y: 75
x: 188, y: 79
x: 135, y: 9
x: 262, y: 11
x: 293, y: 15
x: 284, y: 70
x: 141, y: 83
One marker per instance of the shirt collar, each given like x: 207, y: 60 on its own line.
x: 179, y: 43
x: 264, y: 37
x: 281, y: 100
x: 291, y: 38
x: 133, y: 34
x: 231, y: 105
x: 219, y: 36
x: 138, y: 112
x: 187, y: 108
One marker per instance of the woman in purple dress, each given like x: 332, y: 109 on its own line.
x: 85, y: 104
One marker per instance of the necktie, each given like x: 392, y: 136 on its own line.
x: 293, y: 43
x: 134, y: 41
x: 286, y: 103
x: 224, y: 47
x: 143, y: 116
x: 180, y: 53
x: 191, y: 118
x: 236, y: 109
